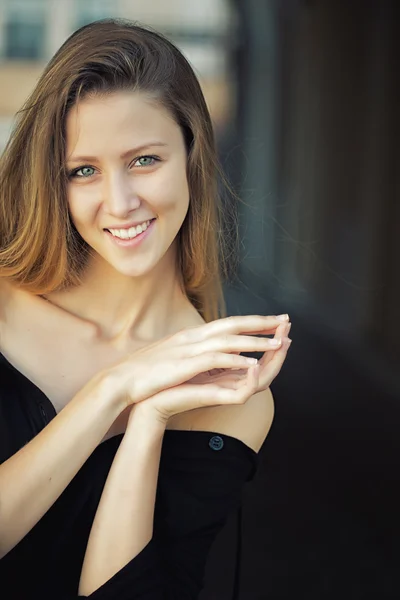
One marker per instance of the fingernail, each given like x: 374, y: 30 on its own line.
x: 252, y: 361
x: 275, y: 342
x: 284, y: 317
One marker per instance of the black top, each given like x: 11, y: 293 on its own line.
x: 201, y: 477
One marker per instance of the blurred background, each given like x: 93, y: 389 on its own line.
x: 304, y: 95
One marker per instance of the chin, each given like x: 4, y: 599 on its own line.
x: 133, y: 270
x: 139, y: 265
x: 136, y: 267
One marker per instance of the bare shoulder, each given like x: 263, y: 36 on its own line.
x: 249, y: 422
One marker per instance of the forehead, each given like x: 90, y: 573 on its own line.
x: 117, y: 119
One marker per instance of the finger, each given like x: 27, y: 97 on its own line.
x: 251, y: 385
x: 216, y: 371
x: 246, y: 385
x: 189, y: 397
x: 237, y: 324
x: 225, y: 380
x: 280, y: 334
x: 209, y: 361
x: 271, y: 369
x: 235, y: 344
x: 218, y: 375
x: 232, y: 384
x: 243, y: 324
x: 185, y: 369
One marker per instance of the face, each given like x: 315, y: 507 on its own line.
x: 126, y: 160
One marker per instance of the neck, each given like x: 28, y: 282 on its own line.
x: 119, y: 308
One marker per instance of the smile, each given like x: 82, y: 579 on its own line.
x: 128, y: 238
x: 132, y: 232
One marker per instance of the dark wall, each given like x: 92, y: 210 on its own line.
x: 318, y: 128
x: 316, y: 159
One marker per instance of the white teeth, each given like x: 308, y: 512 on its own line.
x: 132, y: 232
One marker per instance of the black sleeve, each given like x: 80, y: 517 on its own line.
x: 201, y: 480
x: 140, y: 579
x: 200, y: 483
x: 21, y: 410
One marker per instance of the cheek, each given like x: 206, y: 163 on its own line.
x: 80, y: 206
x: 160, y: 195
x: 173, y: 191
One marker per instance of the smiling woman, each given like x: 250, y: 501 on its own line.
x: 129, y: 418
x: 118, y: 189
x: 117, y: 98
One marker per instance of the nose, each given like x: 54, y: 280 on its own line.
x: 120, y: 197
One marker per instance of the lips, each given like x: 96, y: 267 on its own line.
x: 130, y: 241
x: 129, y: 226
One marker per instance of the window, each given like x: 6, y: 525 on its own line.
x: 93, y: 10
x: 24, y: 29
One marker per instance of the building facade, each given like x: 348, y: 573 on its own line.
x: 32, y: 30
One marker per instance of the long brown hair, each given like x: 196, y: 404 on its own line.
x: 40, y: 249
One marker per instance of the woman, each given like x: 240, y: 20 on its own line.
x: 129, y: 419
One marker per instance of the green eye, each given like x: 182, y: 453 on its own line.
x: 84, y: 172
x: 145, y: 161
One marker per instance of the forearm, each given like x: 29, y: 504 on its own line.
x: 123, y: 524
x: 33, y: 478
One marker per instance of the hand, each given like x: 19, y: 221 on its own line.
x: 219, y: 386
x: 270, y: 363
x: 179, y: 358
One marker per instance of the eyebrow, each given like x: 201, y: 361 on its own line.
x: 140, y: 148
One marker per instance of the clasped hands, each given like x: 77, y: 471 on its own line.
x: 203, y: 365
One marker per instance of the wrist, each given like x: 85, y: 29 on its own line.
x: 144, y: 418
x: 103, y: 391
